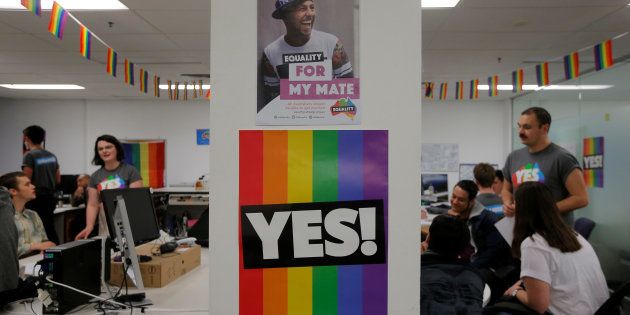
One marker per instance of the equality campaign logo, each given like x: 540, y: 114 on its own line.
x: 111, y: 182
x: 344, y: 106
x: 313, y: 234
x: 528, y: 173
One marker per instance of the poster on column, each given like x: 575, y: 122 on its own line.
x: 313, y: 210
x: 308, y: 63
x: 593, y: 158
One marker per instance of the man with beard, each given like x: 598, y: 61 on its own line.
x: 300, y: 44
x: 546, y: 162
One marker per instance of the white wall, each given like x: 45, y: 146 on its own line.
x: 480, y: 128
x: 73, y: 125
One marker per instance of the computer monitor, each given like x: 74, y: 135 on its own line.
x: 68, y: 184
x: 439, y: 182
x: 140, y: 210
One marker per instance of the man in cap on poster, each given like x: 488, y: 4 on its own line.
x: 300, y: 44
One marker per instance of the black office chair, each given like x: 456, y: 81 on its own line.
x: 584, y: 226
x: 613, y: 304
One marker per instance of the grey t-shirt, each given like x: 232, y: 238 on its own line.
x: 9, y: 265
x: 121, y: 177
x: 44, y: 165
x: 551, y: 166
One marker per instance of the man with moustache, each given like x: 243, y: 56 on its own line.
x: 543, y: 161
x: 300, y: 44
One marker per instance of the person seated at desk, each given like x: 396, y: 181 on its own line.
x: 80, y: 194
x: 31, y: 233
x: 560, y: 271
x: 448, y: 285
x: 12, y: 288
x: 484, y: 178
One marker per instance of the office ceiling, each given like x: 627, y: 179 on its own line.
x: 172, y: 38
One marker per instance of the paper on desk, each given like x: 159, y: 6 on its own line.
x: 506, y: 228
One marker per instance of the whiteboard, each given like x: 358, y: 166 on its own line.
x: 439, y: 157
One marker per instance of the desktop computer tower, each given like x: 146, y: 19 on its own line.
x: 76, y: 264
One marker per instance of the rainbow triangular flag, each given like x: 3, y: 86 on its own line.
x: 129, y: 72
x: 443, y: 90
x: 112, y: 57
x: 474, y: 89
x: 58, y: 18
x: 144, y: 77
x: 156, y: 86
x: 517, y: 81
x: 34, y: 6
x: 428, y: 89
x: 571, y: 66
x: 459, y: 90
x: 603, y: 55
x: 85, y: 46
x: 208, y: 95
x: 176, y: 91
x: 493, y: 85
x: 542, y: 74
x: 170, y: 89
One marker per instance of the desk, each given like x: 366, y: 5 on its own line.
x: 65, y: 218
x: 188, y: 292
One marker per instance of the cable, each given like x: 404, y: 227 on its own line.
x: 85, y: 293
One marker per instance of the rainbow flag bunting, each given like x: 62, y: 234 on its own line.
x: 208, y: 95
x: 459, y: 90
x: 156, y: 86
x: 85, y: 46
x: 603, y: 55
x: 112, y: 57
x: 517, y: 81
x: 571, y: 66
x: 306, y: 166
x: 170, y: 89
x: 176, y: 91
x: 34, y: 6
x: 474, y: 89
x: 144, y: 77
x: 58, y: 19
x: 542, y: 74
x: 493, y: 85
x: 200, y: 88
x: 428, y: 89
x: 194, y: 86
x: 443, y: 90
x: 148, y: 157
x: 129, y: 72
x: 593, y: 156
x: 185, y: 90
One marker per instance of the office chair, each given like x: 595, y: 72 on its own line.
x: 584, y: 226
x: 613, y: 304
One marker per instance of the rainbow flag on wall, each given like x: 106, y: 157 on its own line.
x: 493, y: 85
x: 149, y: 158
x: 58, y: 19
x: 474, y: 89
x: 428, y: 89
x: 279, y: 167
x: 603, y: 55
x: 542, y: 74
x: 112, y: 57
x: 85, y: 46
x: 144, y: 77
x: 571, y: 66
x: 443, y: 90
x: 517, y: 81
x: 129, y: 72
x: 34, y: 6
x: 593, y: 158
x: 459, y: 90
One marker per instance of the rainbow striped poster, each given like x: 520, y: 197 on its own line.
x: 149, y: 157
x: 328, y: 168
x: 593, y: 158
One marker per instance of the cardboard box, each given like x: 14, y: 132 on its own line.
x: 161, y: 270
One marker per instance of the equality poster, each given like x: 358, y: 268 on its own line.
x: 313, y: 222
x: 593, y: 161
x: 307, y: 63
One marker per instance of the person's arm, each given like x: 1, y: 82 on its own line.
x: 578, y: 196
x: 536, y: 294
x: 508, y: 198
x: 58, y: 176
x: 136, y: 184
x: 91, y: 212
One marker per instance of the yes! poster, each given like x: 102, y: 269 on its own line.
x: 307, y: 63
x: 313, y: 222
x: 593, y: 160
